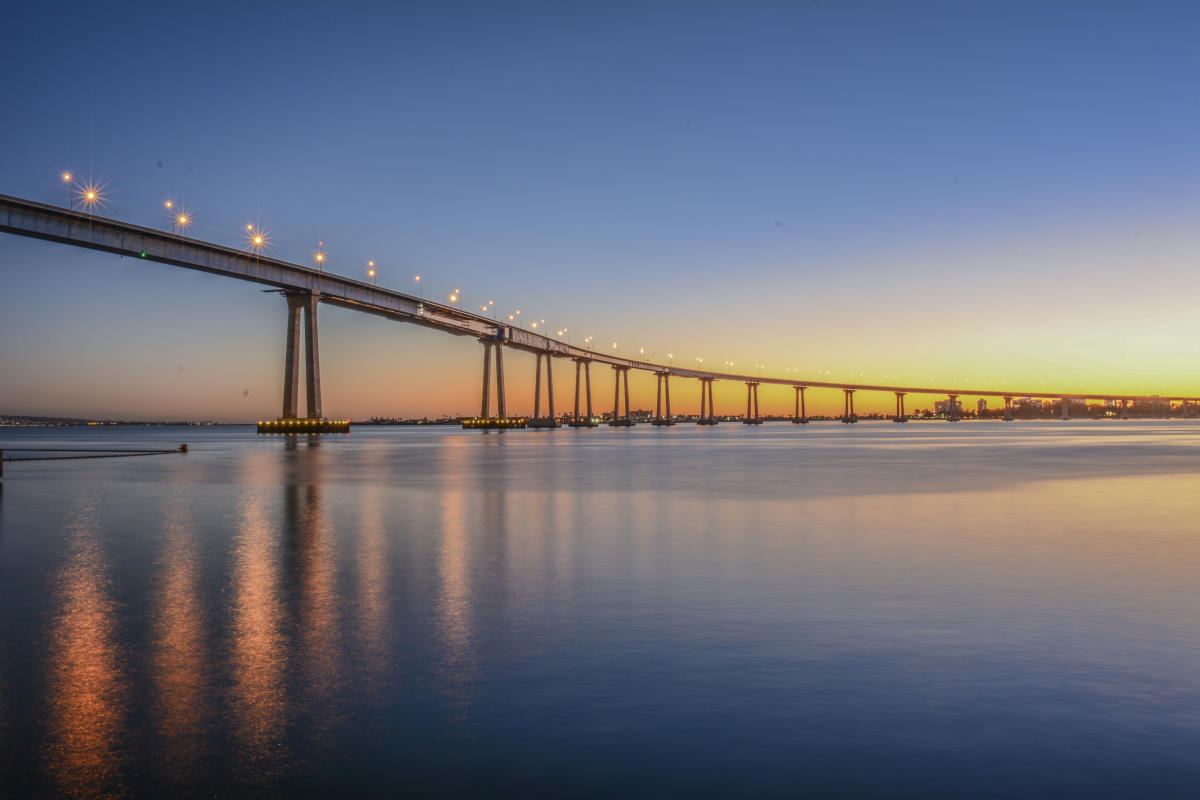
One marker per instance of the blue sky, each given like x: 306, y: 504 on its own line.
x: 987, y: 190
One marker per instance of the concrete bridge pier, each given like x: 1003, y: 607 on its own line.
x: 583, y: 365
x: 302, y: 310
x: 1008, y: 409
x: 298, y: 304
x: 1124, y: 409
x: 800, y: 417
x: 493, y: 349
x: 848, y: 416
x: 752, y: 417
x: 664, y: 391
x: 486, y: 406
x: 622, y: 377
x: 1066, y: 410
x: 900, y: 417
x: 707, y: 416
x: 953, y: 412
x: 538, y: 420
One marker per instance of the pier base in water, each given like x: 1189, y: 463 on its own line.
x: 299, y: 426
x: 494, y: 423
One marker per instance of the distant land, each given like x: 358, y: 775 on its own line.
x: 20, y: 421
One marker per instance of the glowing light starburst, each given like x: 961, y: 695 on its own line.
x: 91, y: 195
x: 257, y: 239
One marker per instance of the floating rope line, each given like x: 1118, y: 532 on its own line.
x: 81, y: 452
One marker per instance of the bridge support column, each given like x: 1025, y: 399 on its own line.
x: 493, y: 349
x: 582, y: 367
x: 952, y: 409
x: 849, y: 416
x: 707, y: 416
x: 312, y: 361
x: 800, y: 417
x: 900, y: 415
x: 587, y: 380
x: 1124, y: 409
x: 1008, y: 409
x: 486, y: 406
x: 291, y: 358
x: 1066, y: 409
x: 298, y: 305
x: 664, y: 391
x: 302, y: 312
x: 538, y: 420
x: 501, y: 411
x: 752, y: 417
x: 537, y: 386
x: 622, y: 377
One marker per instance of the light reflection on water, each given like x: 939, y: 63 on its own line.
x: 85, y: 689
x: 181, y: 662
x: 258, y: 649
x: 922, y: 610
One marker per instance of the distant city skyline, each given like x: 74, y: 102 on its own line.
x: 990, y: 195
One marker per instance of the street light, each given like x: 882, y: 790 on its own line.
x: 66, y: 179
x: 255, y: 239
x: 588, y: 343
x: 371, y: 272
x: 89, y: 195
x: 420, y: 293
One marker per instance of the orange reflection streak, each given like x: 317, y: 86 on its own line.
x: 259, y: 655
x: 317, y: 582
x: 180, y: 657
x: 86, y: 687
x: 454, y: 607
x: 372, y: 587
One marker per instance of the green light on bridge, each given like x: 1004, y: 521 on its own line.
x: 143, y: 254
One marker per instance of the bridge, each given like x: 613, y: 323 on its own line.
x: 304, y: 288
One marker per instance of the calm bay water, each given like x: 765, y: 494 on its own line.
x: 930, y: 609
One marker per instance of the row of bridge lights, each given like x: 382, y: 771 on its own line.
x: 89, y: 195
x: 257, y: 241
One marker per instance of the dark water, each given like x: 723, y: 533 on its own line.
x: 980, y: 609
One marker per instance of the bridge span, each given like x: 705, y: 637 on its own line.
x: 303, y: 288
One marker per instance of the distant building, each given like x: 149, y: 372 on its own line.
x: 981, y: 406
x: 947, y: 407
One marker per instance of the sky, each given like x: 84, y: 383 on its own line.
x: 987, y: 194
